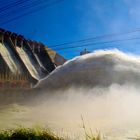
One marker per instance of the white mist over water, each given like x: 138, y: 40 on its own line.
x: 100, y: 68
x: 103, y: 87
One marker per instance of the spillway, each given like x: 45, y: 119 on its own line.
x: 8, y: 57
x: 29, y: 63
x: 22, y: 60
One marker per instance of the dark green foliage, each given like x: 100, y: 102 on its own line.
x: 27, y: 134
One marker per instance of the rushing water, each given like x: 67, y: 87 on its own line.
x: 28, y: 63
x: 103, y: 87
x: 8, y: 57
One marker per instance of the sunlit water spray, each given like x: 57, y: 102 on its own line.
x: 103, y: 87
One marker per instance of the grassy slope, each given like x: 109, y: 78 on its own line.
x: 34, y: 134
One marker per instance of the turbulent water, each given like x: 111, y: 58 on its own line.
x: 103, y: 87
x: 101, y: 68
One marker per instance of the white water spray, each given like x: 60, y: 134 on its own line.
x: 100, y: 68
x: 103, y: 86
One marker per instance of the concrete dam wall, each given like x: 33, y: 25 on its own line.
x: 23, y: 60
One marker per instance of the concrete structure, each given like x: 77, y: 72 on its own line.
x: 23, y: 60
x: 55, y: 57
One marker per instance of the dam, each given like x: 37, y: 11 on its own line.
x: 24, y: 62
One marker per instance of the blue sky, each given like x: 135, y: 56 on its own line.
x: 72, y: 20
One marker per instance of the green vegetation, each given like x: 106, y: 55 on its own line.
x: 98, y: 137
x: 28, y: 134
x: 35, y: 134
x: 89, y: 135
